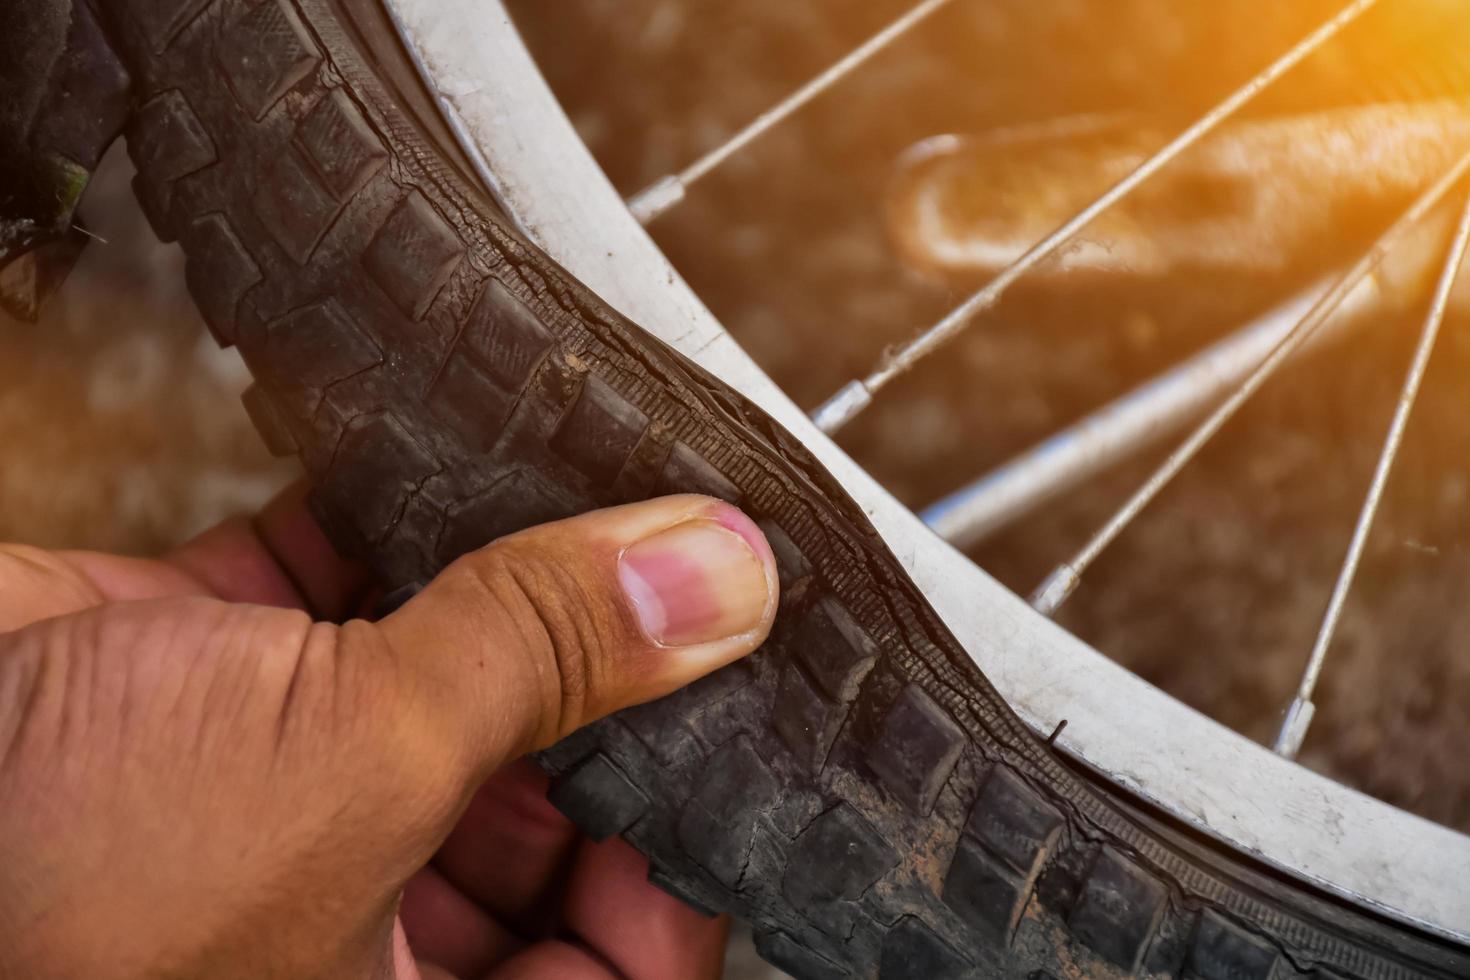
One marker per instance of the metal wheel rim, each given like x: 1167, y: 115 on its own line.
x: 524, y: 148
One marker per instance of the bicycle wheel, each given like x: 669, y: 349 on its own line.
x: 857, y: 790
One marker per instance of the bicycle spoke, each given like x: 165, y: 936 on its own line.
x: 668, y: 191
x: 850, y: 400
x: 1170, y: 400
x: 1063, y: 580
x: 1124, y: 427
x: 1301, y: 710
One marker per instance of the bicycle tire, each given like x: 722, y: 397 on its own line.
x: 856, y: 789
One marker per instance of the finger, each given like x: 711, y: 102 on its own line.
x: 332, y: 584
x: 522, y: 642
x: 279, y: 558
x: 224, y: 562
x: 405, y: 967
x: 447, y: 929
x: 37, y: 584
x: 511, y: 849
x: 554, y: 958
x: 232, y: 562
x: 643, y: 931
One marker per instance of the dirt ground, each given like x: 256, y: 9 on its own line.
x: 121, y: 426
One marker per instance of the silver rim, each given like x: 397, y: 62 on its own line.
x: 1254, y: 800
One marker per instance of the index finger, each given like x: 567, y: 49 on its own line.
x: 279, y: 557
x: 631, y: 923
x: 511, y: 849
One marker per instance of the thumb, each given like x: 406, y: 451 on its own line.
x: 526, y: 640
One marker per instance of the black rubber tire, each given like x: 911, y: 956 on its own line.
x: 856, y: 790
x: 63, y: 98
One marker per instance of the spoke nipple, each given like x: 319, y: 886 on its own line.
x: 656, y: 198
x: 1294, y: 727
x: 1057, y: 588
x: 842, y: 407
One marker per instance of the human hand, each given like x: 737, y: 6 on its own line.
x: 203, y: 777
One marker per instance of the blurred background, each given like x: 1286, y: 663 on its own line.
x: 818, y: 247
